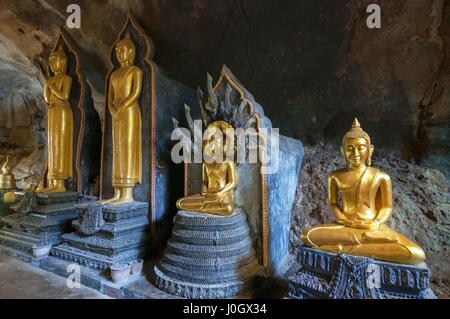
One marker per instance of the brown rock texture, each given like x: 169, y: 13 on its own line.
x: 421, y: 205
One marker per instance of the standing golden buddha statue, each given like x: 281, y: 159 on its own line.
x: 59, y: 123
x: 218, y: 177
x: 124, y: 90
x: 366, y: 194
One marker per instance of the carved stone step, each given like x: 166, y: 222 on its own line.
x: 40, y: 218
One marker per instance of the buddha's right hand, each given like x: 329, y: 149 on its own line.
x: 345, y: 222
x: 209, y: 194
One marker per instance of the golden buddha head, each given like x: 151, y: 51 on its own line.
x: 356, y: 146
x: 58, y: 61
x: 215, y: 146
x: 7, y: 180
x: 125, y: 51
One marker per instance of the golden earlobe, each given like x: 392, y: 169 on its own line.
x: 369, y: 160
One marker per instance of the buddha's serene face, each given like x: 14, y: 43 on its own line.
x: 214, y: 148
x: 356, y: 151
x: 124, y: 53
x: 57, y: 64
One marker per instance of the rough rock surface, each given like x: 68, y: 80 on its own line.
x: 314, y: 65
x: 421, y: 205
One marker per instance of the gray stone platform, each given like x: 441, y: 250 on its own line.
x: 40, y: 218
x: 208, y: 257
x: 106, y: 235
x: 341, y: 276
x: 137, y: 287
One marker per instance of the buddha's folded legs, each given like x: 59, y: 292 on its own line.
x: 59, y: 185
x: 222, y: 205
x: 125, y: 195
x: 383, y: 244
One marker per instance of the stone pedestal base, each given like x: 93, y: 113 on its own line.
x: 208, y: 257
x: 106, y: 235
x: 341, y: 276
x: 41, y: 218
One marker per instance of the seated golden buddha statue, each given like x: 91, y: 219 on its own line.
x: 59, y: 123
x: 366, y: 195
x: 218, y: 177
x: 124, y: 90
